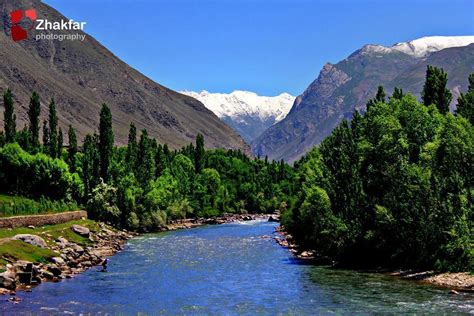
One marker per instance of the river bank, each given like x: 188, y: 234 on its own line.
x: 461, y: 281
x: 32, y: 255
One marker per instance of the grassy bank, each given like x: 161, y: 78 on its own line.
x: 18, y: 205
x: 13, y: 250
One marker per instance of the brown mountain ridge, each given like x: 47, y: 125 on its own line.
x: 81, y: 75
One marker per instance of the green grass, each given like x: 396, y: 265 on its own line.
x: 17, y: 205
x: 13, y: 250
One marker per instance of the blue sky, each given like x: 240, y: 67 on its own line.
x: 268, y: 47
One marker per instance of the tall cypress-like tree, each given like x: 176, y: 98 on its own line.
x: 397, y: 93
x: 106, y: 141
x: 379, y: 97
x: 435, y: 91
x: 60, y: 143
x: 9, y: 117
x: 53, y: 130
x: 90, y: 163
x: 199, y: 153
x: 145, y: 160
x: 34, y: 112
x: 72, y: 148
x: 465, y: 106
x: 132, y: 146
x: 46, y: 139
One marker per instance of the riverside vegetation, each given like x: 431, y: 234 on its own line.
x: 393, y: 188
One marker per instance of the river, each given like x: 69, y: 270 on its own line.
x: 229, y: 269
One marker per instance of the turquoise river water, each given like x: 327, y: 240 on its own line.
x: 229, y: 270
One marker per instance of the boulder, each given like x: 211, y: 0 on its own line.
x: 58, y: 260
x: 31, y: 239
x: 81, y: 230
x: 62, y: 242
x: 273, y: 218
x: 7, y: 282
x: 54, y: 270
x: 47, y: 275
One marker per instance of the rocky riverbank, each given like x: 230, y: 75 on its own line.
x: 60, y: 252
x: 462, y: 281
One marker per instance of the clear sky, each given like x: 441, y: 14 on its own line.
x: 265, y: 46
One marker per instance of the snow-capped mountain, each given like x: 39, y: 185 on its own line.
x: 424, y: 46
x: 246, y: 112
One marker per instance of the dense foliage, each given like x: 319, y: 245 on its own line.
x: 392, y: 188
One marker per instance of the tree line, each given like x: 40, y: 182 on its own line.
x: 394, y: 187
x: 141, y: 186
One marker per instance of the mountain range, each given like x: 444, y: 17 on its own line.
x: 81, y: 75
x: 246, y: 112
x: 346, y: 86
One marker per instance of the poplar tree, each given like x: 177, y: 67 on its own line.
x: 34, y: 112
x: 434, y: 89
x: 199, y: 153
x: 465, y: 106
x: 46, y: 139
x: 53, y: 130
x: 106, y: 141
x: 72, y: 148
x: 9, y: 117
x: 132, y: 147
x: 60, y: 143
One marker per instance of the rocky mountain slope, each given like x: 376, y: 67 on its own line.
x: 81, y: 75
x: 246, y: 112
x: 346, y: 86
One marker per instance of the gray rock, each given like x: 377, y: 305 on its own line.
x: 81, y: 230
x: 32, y: 240
x: 62, y: 242
x: 47, y: 275
x: 273, y: 218
x: 58, y: 260
x: 54, y: 270
x: 7, y: 282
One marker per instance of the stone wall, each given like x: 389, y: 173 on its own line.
x: 41, y: 220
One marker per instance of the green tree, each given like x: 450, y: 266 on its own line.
x: 46, y: 139
x: 34, y: 112
x: 90, y: 163
x: 397, y: 93
x: 9, y: 117
x: 72, y: 148
x: 132, y: 148
x: 465, y: 106
x: 199, y: 153
x: 145, y: 165
x: 106, y: 141
x: 435, y: 90
x: 53, y: 130
x: 60, y: 143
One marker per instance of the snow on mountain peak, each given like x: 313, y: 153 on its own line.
x: 424, y: 46
x: 245, y: 103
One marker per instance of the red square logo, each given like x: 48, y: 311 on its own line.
x: 18, y: 31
